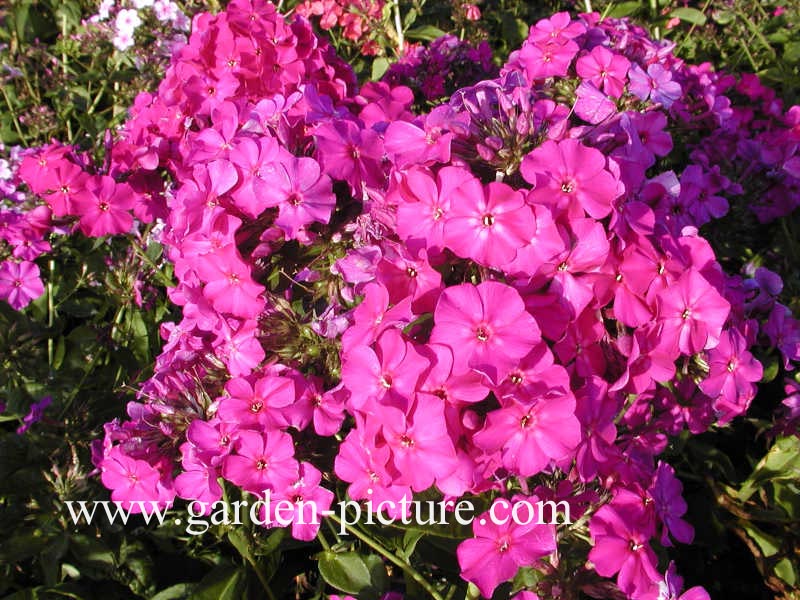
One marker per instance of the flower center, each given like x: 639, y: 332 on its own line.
x: 255, y: 407
x: 261, y: 464
x: 488, y: 220
x: 482, y: 333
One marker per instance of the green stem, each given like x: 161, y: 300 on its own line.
x: 325, y: 545
x: 399, y: 26
x: 13, y: 112
x: 50, y: 313
x: 391, y: 557
x: 64, y: 69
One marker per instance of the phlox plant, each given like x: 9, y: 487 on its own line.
x: 507, y: 297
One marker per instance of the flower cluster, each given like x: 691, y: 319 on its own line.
x: 124, y: 20
x: 437, y: 70
x: 505, y: 297
x: 356, y: 18
x: 24, y: 227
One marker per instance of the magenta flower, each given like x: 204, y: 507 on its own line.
x: 529, y: 435
x: 489, y: 227
x: 350, y: 153
x: 605, y: 69
x: 129, y: 479
x: 229, y: 286
x: 672, y: 585
x: 486, y: 326
x: 567, y: 175
x: 423, y: 203
x: 252, y: 406
x: 498, y: 550
x: 310, y: 501
x: 621, y: 546
x: 20, y: 283
x: 691, y: 314
x: 262, y: 461
x: 104, y: 208
x: 733, y: 372
x: 666, y: 491
x: 305, y: 194
x: 388, y: 374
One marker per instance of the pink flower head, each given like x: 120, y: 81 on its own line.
x: 691, y: 314
x: 305, y: 194
x: 262, y: 461
x: 489, y: 227
x: 20, y: 283
x: 605, y: 69
x: 486, y: 326
x: 670, y: 506
x: 621, y: 545
x: 569, y: 175
x: 130, y: 480
x: 423, y: 203
x: 104, y: 208
x: 501, y: 546
x: 253, y: 406
x: 733, y: 372
x: 528, y: 436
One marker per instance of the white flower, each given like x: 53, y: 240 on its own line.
x: 165, y: 10
x: 142, y: 3
x: 123, y: 40
x: 103, y: 9
x: 127, y: 21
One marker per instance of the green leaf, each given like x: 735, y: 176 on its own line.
x: 723, y: 17
x: 791, y: 52
x: 787, y: 571
x: 139, y: 338
x: 768, y: 544
x: 346, y: 571
x: 225, y: 582
x: 690, y: 15
x: 771, y: 369
x: 426, y: 33
x: 624, y: 9
x: 782, y: 462
x: 179, y: 591
x: 379, y: 66
x: 409, y: 19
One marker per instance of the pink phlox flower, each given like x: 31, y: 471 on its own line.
x: 489, y: 227
x: 733, y: 373
x: 567, y: 175
x: 605, y: 69
x: 499, y: 549
x: 374, y: 315
x: 621, y: 537
x: 262, y: 460
x: 419, y: 441
x: 20, y: 283
x: 253, y: 405
x: 486, y: 326
x: 387, y: 374
x: 691, y: 314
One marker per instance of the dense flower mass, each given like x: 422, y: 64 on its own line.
x: 507, y: 295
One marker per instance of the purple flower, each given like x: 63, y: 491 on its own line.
x: 34, y: 415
